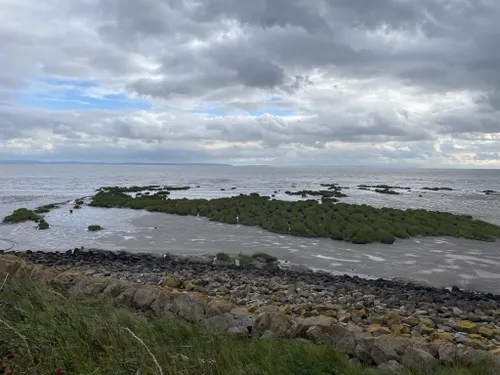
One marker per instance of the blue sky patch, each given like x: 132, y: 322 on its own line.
x: 273, y: 111
x: 276, y: 99
x: 72, y: 95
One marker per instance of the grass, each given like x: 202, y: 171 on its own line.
x: 94, y: 228
x: 47, y: 332
x: 360, y: 224
x: 223, y: 257
x: 21, y: 215
x: 42, y: 225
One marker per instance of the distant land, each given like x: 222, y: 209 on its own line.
x: 109, y: 163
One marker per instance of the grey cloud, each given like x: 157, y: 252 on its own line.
x: 406, y: 72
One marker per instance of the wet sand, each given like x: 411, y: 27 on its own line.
x: 437, y: 261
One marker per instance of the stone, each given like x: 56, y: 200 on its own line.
x: 42, y: 274
x: 460, y: 337
x: 362, y: 354
x: 419, y: 360
x: 393, y: 318
x: 144, y: 297
x: 391, y: 367
x: 344, y: 318
x: 399, y: 344
x: 318, y: 336
x: 346, y: 345
x: 383, y: 352
x: 400, y: 329
x: 162, y: 304
x: 114, y: 289
x: 218, y: 307
x: 447, y: 353
x: 172, y: 281
x: 494, y: 351
x: 189, y: 307
x: 378, y: 330
x: 127, y: 296
x: 487, y: 332
x: 87, y: 287
x: 473, y: 356
x: 444, y: 336
x: 412, y: 321
x: 286, y: 309
x: 278, y: 323
x: 466, y: 326
x: 302, y: 324
x: 475, y: 344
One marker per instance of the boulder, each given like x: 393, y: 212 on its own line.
x: 362, y: 354
x: 87, y: 287
x: 318, y: 336
x: 301, y: 325
x: 443, y: 336
x: 419, y: 360
x: 392, y: 367
x: 383, y: 352
x: 113, y: 289
x: 172, y: 281
x: 447, y: 353
x: 466, y: 326
x: 399, y: 344
x: 127, y: 296
x: 378, y: 330
x: 162, y: 305
x: 278, y: 323
x: 346, y: 344
x: 473, y: 357
x: 42, y: 274
x: 487, y: 332
x: 218, y: 307
x: 189, y: 307
x: 144, y: 297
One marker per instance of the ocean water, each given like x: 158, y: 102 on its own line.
x: 438, y: 261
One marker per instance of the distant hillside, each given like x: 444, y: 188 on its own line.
x: 109, y: 163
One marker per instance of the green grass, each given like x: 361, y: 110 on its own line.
x: 340, y: 221
x: 223, y: 257
x: 42, y: 225
x: 21, y: 215
x: 91, y: 336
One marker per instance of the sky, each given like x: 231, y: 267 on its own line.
x: 342, y: 82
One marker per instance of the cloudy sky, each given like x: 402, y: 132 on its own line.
x: 385, y: 82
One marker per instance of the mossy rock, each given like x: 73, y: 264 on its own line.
x: 94, y: 228
x: 223, y: 257
x: 42, y: 225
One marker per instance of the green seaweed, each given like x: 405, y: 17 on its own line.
x: 309, y: 218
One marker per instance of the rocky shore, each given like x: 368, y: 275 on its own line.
x: 383, y: 322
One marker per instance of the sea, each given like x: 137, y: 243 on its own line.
x: 436, y: 261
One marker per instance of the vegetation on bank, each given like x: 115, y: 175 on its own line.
x: 22, y: 215
x: 386, y: 191
x: 437, y: 188
x: 45, y: 331
x: 383, y: 187
x: 42, y: 225
x: 349, y: 222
